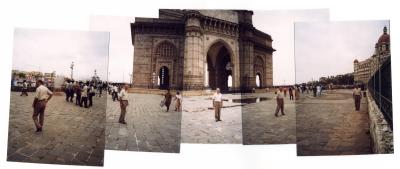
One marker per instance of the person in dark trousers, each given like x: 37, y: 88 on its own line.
x: 91, y: 93
x: 314, y: 88
x: 168, y: 98
x: 84, y: 96
x: 357, y: 97
x: 78, y: 92
x: 42, y: 96
x: 24, y: 88
x: 291, y: 93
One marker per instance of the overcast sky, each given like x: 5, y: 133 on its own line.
x: 121, y: 48
x: 329, y: 48
x: 279, y: 24
x: 54, y: 50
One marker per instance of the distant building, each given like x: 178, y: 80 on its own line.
x: 364, y: 70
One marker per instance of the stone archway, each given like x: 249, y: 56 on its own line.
x: 259, y: 72
x: 219, y: 66
x: 258, y: 80
x: 163, y: 76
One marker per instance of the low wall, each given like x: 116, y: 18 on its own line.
x: 381, y: 134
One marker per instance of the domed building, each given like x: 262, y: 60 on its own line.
x: 364, y: 70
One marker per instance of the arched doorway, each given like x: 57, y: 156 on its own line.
x: 258, y: 80
x: 259, y: 72
x: 219, y: 66
x: 164, y: 77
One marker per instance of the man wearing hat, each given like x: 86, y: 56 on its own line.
x: 42, y: 96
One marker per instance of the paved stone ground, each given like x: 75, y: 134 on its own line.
x: 198, y: 121
x: 149, y: 127
x: 71, y: 135
x: 329, y: 125
x: 260, y: 126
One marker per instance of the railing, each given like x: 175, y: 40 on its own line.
x: 380, y: 87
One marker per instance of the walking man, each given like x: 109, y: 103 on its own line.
x: 217, y: 104
x: 279, y: 103
x: 168, y: 98
x: 42, y: 96
x: 357, y: 97
x: 123, y: 100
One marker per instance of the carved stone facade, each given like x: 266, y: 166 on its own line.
x: 201, y: 49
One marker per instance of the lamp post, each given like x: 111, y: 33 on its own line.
x: 72, y: 70
x: 130, y: 81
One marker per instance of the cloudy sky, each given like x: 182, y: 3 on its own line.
x: 329, y: 48
x: 121, y: 48
x: 55, y: 50
x: 279, y: 24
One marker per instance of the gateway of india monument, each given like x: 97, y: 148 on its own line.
x: 201, y: 50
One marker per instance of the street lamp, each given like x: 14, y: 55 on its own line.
x: 72, y: 70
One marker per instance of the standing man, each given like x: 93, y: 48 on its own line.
x: 91, y: 93
x: 314, y: 91
x: 357, y: 97
x: 123, y: 100
x: 279, y: 103
x: 42, y: 96
x: 115, y: 92
x: 100, y: 88
x: 168, y: 98
x: 84, y: 96
x: 290, y: 93
x: 78, y: 92
x: 284, y: 91
x: 217, y: 104
x: 24, y: 88
x: 319, y: 90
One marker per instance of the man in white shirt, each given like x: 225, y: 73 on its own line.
x: 42, y: 96
x: 357, y: 97
x: 279, y: 102
x: 217, y: 103
x: 115, y: 92
x: 84, y: 95
x: 123, y: 100
x: 24, y: 89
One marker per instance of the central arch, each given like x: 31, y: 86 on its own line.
x: 219, y: 66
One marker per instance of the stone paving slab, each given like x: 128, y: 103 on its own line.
x: 329, y: 125
x: 198, y: 121
x: 149, y: 127
x: 71, y: 135
x: 260, y: 126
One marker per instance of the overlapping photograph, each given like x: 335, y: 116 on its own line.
x: 345, y: 70
x: 57, y: 109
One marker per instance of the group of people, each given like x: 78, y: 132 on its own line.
x: 83, y: 92
x: 168, y: 99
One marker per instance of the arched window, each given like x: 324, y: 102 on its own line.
x: 166, y: 50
